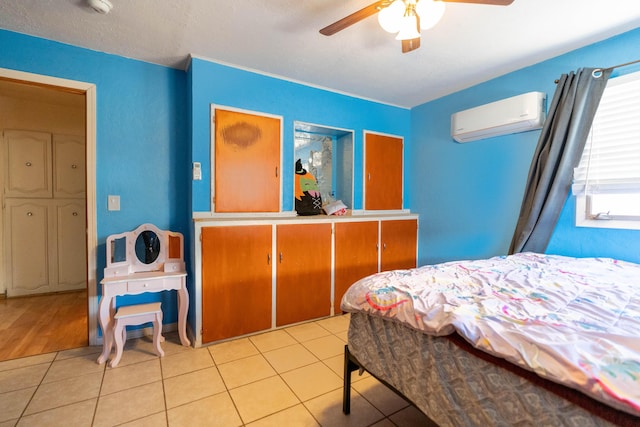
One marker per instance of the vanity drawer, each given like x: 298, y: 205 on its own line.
x: 154, y: 284
x: 145, y: 286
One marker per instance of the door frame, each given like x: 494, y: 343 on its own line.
x: 89, y: 90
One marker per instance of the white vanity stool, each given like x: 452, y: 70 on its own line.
x: 138, y: 314
x: 146, y: 259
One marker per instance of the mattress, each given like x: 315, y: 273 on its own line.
x: 454, y: 386
x: 573, y: 321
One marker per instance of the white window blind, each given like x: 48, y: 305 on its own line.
x: 610, y: 162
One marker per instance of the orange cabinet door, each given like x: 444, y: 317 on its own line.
x: 383, y: 172
x: 356, y: 255
x: 236, y: 281
x: 399, y: 242
x: 247, y: 162
x: 303, y: 272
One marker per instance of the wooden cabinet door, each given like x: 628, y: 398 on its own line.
x: 303, y: 278
x: 28, y: 164
x: 399, y: 242
x: 236, y: 281
x: 247, y: 162
x: 356, y: 255
x: 383, y: 172
x: 71, y: 240
x: 29, y: 246
x: 68, y: 166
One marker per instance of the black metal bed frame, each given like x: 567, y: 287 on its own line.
x: 352, y: 364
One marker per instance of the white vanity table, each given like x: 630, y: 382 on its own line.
x: 146, y: 259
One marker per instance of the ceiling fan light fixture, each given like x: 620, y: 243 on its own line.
x: 430, y: 12
x: 409, y: 29
x: 404, y: 17
x: 390, y: 18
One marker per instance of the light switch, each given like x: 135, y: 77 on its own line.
x: 197, y: 171
x: 113, y: 203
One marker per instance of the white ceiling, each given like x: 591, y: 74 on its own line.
x: 471, y: 44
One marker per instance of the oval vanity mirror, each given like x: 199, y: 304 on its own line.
x: 147, y: 247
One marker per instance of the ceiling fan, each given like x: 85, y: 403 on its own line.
x: 405, y: 17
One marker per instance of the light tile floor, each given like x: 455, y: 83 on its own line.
x: 288, y: 377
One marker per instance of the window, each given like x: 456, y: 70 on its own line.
x: 607, y: 180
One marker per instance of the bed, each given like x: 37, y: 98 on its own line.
x: 525, y: 339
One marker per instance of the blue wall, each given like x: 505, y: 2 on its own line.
x: 142, y: 145
x: 469, y: 195
x: 212, y: 83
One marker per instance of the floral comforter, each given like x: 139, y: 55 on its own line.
x: 575, y: 321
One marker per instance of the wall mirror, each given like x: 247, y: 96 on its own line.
x: 327, y: 153
x: 119, y: 250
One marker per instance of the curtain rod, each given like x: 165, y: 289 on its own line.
x: 623, y: 65
x: 598, y: 70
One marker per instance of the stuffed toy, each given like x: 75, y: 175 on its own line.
x: 308, y: 199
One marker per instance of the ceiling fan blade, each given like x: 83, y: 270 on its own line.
x: 358, y: 16
x: 490, y: 2
x: 409, y: 45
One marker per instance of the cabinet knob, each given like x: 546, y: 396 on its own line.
x: 74, y: 166
x: 280, y: 257
x: 28, y: 164
x: 268, y: 259
x: 75, y: 214
x: 29, y: 213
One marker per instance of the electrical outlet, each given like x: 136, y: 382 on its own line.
x: 113, y: 203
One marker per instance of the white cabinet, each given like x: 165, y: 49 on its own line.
x: 27, y: 223
x: 44, y: 212
x: 68, y: 166
x: 44, y: 166
x: 71, y: 247
x: 28, y: 164
x: 45, y: 245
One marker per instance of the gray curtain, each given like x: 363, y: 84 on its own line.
x: 559, y: 150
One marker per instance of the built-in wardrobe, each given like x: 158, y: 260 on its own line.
x: 259, y: 267
x: 43, y: 191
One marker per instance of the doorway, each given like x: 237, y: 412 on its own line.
x: 41, y: 324
x: 50, y: 86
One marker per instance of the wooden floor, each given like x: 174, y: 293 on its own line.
x: 42, y: 324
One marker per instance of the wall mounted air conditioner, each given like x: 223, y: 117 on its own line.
x: 519, y: 113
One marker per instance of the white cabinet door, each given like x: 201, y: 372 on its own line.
x: 71, y: 244
x: 46, y: 245
x: 28, y: 160
x: 28, y: 245
x: 68, y: 166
